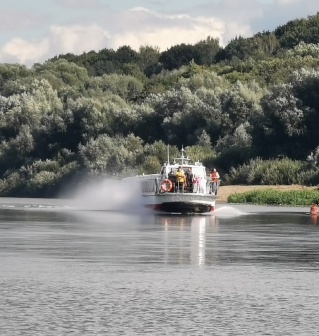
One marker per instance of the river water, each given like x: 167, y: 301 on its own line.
x: 245, y: 270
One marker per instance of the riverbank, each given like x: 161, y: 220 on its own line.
x: 225, y: 191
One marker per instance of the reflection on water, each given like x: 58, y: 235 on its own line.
x: 115, y: 238
x: 108, y: 273
x: 198, y: 239
x: 193, y: 232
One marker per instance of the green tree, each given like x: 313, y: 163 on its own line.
x: 290, y: 115
x: 296, y: 31
x: 70, y: 73
x: 206, y: 50
x: 110, y: 155
x: 126, y: 54
x: 12, y: 72
x: 148, y: 59
x: 177, y: 56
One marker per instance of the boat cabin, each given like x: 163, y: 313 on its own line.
x: 195, y: 180
x: 197, y: 169
x: 194, y: 172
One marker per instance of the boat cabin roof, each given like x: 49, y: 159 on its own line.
x: 185, y: 162
x: 196, y: 168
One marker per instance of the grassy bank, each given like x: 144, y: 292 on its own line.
x: 276, y: 197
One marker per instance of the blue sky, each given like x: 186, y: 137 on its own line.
x: 35, y: 30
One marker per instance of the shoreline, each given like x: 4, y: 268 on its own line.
x: 225, y: 191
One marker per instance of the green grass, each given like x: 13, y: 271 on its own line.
x: 276, y: 197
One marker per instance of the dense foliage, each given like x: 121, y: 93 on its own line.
x: 277, y: 197
x: 251, y: 109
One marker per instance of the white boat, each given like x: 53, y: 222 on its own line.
x: 161, y: 193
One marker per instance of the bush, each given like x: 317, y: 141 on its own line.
x: 277, y: 197
x: 40, y: 179
x: 11, y: 184
x: 268, y: 172
x: 310, y: 177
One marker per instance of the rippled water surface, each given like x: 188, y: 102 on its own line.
x: 244, y: 271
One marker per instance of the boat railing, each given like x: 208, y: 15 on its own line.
x: 155, y: 186
x: 161, y: 184
x: 166, y: 185
x: 150, y: 186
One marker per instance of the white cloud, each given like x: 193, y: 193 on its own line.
x: 134, y: 28
x: 77, y: 39
x: 60, y: 40
x: 20, y: 51
x: 288, y: 2
x: 146, y: 27
x: 89, y: 4
x: 15, y: 20
x: 141, y: 26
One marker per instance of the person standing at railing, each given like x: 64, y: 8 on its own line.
x: 189, y: 179
x: 172, y: 178
x: 196, y: 183
x: 180, y: 177
x: 214, y: 175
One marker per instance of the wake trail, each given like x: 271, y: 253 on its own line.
x: 228, y: 211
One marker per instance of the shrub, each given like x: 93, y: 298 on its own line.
x: 267, y: 172
x: 277, y: 197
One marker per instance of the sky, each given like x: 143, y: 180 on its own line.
x: 32, y: 31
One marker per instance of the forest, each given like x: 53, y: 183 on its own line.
x: 251, y: 109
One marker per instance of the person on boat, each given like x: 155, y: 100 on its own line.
x: 196, y: 184
x: 214, y: 175
x: 172, y: 178
x: 189, y: 179
x: 180, y: 179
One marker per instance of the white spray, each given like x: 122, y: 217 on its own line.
x: 107, y: 194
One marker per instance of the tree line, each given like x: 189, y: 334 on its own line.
x: 113, y: 112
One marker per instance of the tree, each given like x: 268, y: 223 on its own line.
x: 70, y: 73
x: 126, y: 54
x: 16, y: 150
x: 205, y: 51
x: 148, y: 58
x: 12, y: 72
x: 110, y: 155
x: 296, y: 31
x: 239, y: 103
x: 28, y: 107
x: 127, y: 87
x: 288, y: 125
x: 176, y: 56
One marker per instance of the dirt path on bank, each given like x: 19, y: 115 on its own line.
x: 225, y: 191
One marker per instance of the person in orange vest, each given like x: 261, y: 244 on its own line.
x: 214, y: 175
x: 314, y: 209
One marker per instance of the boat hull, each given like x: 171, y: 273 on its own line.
x: 180, y: 202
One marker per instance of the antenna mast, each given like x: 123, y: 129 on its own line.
x: 182, y: 154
